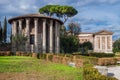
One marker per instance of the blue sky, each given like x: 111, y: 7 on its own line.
x: 94, y: 15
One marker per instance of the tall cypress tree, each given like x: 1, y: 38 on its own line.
x: 1, y: 37
x: 5, y: 30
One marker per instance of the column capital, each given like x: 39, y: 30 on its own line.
x: 14, y: 22
x: 20, y: 19
x: 27, y: 20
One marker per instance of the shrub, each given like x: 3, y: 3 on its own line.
x: 117, y: 54
x: 50, y: 57
x: 89, y: 60
x: 76, y: 53
x: 42, y: 56
x: 100, y: 55
x: 90, y: 73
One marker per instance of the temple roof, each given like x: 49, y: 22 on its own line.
x: 33, y: 16
x: 103, y: 32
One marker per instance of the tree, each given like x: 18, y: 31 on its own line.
x: 1, y: 37
x: 19, y: 40
x: 63, y: 12
x: 69, y: 44
x: 116, y: 46
x: 46, y: 10
x: 86, y: 46
x: 5, y: 30
x: 74, y: 28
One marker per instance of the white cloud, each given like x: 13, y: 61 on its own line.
x: 5, y: 1
x: 91, y: 12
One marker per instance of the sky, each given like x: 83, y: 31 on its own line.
x: 93, y: 15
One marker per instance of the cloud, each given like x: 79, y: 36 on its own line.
x: 94, y: 15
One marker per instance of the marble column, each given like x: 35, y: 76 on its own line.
x: 106, y: 43
x: 51, y: 37
x: 58, y: 39
x: 57, y: 36
x: 94, y: 43
x: 14, y: 32
x: 20, y: 26
x: 36, y: 34
x: 15, y: 28
x: 111, y: 44
x: 28, y: 34
x: 44, y: 37
x: 101, y: 43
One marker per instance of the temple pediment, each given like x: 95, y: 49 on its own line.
x: 104, y: 32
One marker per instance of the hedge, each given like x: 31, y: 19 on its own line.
x: 90, y: 73
x: 100, y: 55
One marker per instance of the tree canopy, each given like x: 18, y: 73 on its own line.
x: 69, y: 44
x: 63, y: 12
x: 74, y: 28
x: 116, y: 46
x: 19, y: 40
x: 5, y: 30
x: 84, y: 47
x: 87, y: 45
x: 1, y: 38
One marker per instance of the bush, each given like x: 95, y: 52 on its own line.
x: 90, y: 60
x: 100, y: 55
x: 50, y: 57
x: 117, y: 54
x: 106, y: 61
x: 90, y: 73
x: 42, y: 56
x: 76, y: 53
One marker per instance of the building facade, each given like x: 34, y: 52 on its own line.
x: 101, y: 41
x: 42, y: 32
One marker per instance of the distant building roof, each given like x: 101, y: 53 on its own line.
x: 86, y: 33
x: 103, y: 32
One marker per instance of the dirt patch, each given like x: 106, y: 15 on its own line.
x: 21, y: 76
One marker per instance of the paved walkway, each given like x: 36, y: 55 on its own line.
x: 114, y: 71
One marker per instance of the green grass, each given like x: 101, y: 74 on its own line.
x: 51, y: 71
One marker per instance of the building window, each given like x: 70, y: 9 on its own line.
x: 31, y: 39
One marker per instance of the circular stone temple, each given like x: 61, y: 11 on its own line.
x: 42, y: 33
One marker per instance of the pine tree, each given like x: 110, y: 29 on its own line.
x: 5, y: 30
x: 1, y: 37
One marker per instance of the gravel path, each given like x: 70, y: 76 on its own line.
x: 114, y: 71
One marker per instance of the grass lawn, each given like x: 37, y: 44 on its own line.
x: 27, y: 68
